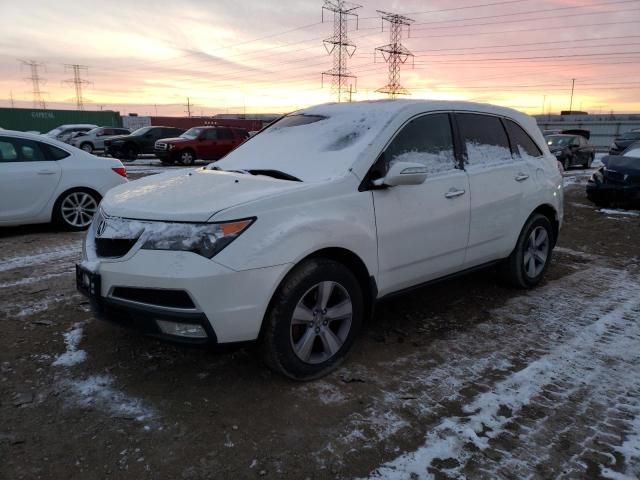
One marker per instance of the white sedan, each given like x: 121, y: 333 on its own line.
x: 44, y: 180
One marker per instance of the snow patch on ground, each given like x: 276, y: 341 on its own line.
x: 581, y: 362
x: 98, y: 391
x: 72, y: 356
x: 616, y: 211
x: 73, y: 249
x: 31, y: 280
x: 326, y: 392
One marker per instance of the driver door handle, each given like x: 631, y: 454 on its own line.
x: 453, y: 193
x: 521, y: 177
x: 46, y: 172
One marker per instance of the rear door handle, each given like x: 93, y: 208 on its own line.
x: 454, y: 193
x: 46, y: 172
x: 521, y: 177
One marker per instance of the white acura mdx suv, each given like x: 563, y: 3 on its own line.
x: 292, y: 237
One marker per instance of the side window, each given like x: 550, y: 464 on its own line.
x: 225, y: 134
x: 521, y: 141
x: 211, y: 134
x: 8, y: 152
x: 52, y: 153
x: 121, y: 131
x: 485, y: 139
x: 426, y: 140
x: 20, y: 150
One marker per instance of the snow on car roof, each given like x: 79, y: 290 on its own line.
x: 326, y: 140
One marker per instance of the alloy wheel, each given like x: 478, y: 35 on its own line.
x: 186, y: 158
x: 321, y: 322
x: 536, y: 252
x: 78, y: 209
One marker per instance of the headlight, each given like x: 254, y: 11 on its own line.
x: 171, y: 146
x: 206, y: 239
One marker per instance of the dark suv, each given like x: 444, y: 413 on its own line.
x: 204, y: 143
x: 128, y: 147
x: 622, y: 142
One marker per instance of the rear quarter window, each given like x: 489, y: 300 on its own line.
x: 484, y: 138
x: 521, y: 142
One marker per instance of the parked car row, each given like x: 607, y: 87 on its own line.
x: 618, y: 180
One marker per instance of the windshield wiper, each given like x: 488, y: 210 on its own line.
x: 275, y: 174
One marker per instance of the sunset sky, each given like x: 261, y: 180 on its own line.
x: 148, y: 56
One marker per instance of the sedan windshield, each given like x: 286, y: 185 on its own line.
x: 141, y: 131
x: 632, y: 152
x: 316, y: 144
x: 559, y: 140
x: 54, y: 133
x: 192, y: 133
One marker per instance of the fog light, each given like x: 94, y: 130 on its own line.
x: 190, y: 330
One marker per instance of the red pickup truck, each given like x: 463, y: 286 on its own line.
x: 199, y: 143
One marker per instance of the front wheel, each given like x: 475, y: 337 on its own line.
x: 529, y: 260
x: 130, y: 152
x: 313, y: 320
x: 74, y: 210
x: 87, y: 147
x: 186, y: 158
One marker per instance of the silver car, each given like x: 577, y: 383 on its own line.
x: 94, y: 139
x: 65, y: 133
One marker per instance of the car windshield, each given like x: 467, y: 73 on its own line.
x: 192, y: 132
x: 93, y: 131
x: 630, y: 135
x: 559, y: 140
x: 315, y: 144
x: 54, y: 132
x: 141, y: 131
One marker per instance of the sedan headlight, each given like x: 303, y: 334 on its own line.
x: 171, y: 146
x: 206, y: 239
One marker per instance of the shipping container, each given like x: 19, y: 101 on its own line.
x: 31, y: 119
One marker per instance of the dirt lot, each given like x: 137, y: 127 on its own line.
x: 463, y: 379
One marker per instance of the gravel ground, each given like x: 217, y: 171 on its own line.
x: 465, y: 379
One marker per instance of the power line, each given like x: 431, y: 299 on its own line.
x: 38, y: 100
x: 339, y: 45
x: 394, y: 53
x: 77, y: 82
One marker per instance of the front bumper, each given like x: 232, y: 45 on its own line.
x: 229, y: 305
x: 598, y: 192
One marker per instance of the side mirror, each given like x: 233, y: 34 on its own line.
x: 403, y: 173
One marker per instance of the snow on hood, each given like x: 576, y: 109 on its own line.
x: 189, y: 195
x: 317, y: 151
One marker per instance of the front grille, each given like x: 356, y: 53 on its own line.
x: 615, y: 177
x: 161, y: 146
x: 113, y: 247
x: 152, y: 296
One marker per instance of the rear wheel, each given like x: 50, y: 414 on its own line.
x: 87, y: 147
x: 130, y: 152
x: 529, y: 260
x: 74, y: 209
x: 313, y: 320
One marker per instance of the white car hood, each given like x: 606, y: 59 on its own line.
x: 190, y: 195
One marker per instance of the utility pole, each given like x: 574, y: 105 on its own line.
x: 544, y: 100
x: 339, y: 45
x: 394, y: 53
x: 573, y: 83
x: 350, y: 92
x: 77, y: 82
x: 38, y: 100
x: 188, y: 105
x: 11, y: 97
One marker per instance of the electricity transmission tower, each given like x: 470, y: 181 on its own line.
x: 394, y: 53
x: 38, y: 100
x: 78, y: 82
x: 340, y: 46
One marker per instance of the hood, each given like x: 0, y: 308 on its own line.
x: 117, y: 137
x: 190, y: 195
x: 620, y: 164
x: 175, y: 139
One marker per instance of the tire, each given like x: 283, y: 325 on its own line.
x: 518, y: 270
x: 67, y: 218
x: 309, y: 345
x: 130, y: 152
x: 186, y: 157
x: 566, y: 163
x: 87, y: 147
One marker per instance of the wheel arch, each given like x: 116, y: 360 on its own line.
x: 350, y: 260
x: 552, y: 215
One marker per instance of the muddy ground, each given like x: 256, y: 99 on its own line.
x: 463, y: 379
